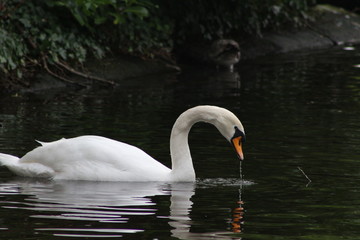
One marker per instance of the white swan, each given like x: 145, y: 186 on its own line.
x: 101, y: 159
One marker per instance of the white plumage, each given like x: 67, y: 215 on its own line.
x: 98, y: 158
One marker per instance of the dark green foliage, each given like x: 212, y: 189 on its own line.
x: 90, y: 12
x: 33, y: 34
x: 45, y: 33
x: 12, y: 52
x: 209, y: 19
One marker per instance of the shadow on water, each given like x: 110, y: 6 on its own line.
x: 300, y: 111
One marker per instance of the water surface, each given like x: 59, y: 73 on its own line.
x: 301, y: 116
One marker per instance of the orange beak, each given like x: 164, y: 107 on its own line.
x: 237, y: 143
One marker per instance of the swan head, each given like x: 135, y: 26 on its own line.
x: 228, y: 125
x: 224, y: 120
x: 232, y: 129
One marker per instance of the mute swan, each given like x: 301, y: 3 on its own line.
x: 98, y: 158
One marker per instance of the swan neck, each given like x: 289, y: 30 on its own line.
x: 182, y: 165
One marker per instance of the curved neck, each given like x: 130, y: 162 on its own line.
x: 182, y: 165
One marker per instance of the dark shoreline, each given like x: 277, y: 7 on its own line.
x: 333, y: 26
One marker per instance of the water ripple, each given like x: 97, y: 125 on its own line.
x: 90, y: 232
x: 88, y: 202
x: 216, y: 182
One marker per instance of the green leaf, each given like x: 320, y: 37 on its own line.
x: 138, y: 10
x: 99, y: 20
x: 62, y: 53
x: 118, y: 19
x: 2, y: 59
x: 77, y: 14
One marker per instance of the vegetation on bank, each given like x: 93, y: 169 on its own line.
x: 58, y: 36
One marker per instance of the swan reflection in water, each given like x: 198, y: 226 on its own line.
x: 108, y: 203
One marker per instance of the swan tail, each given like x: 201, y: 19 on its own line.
x: 7, y: 159
x: 14, y: 164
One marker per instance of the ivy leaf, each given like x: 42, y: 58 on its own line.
x: 138, y: 10
x: 62, y: 53
x: 100, y: 20
x: 2, y: 59
x: 79, y: 17
x: 118, y: 18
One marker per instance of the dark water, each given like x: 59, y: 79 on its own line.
x: 302, y: 119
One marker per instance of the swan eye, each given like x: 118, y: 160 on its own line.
x: 239, y: 133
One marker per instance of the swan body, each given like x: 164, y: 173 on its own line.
x: 96, y: 158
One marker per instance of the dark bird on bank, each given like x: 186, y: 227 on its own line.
x: 225, y: 53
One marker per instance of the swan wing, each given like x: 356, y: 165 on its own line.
x: 96, y: 158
